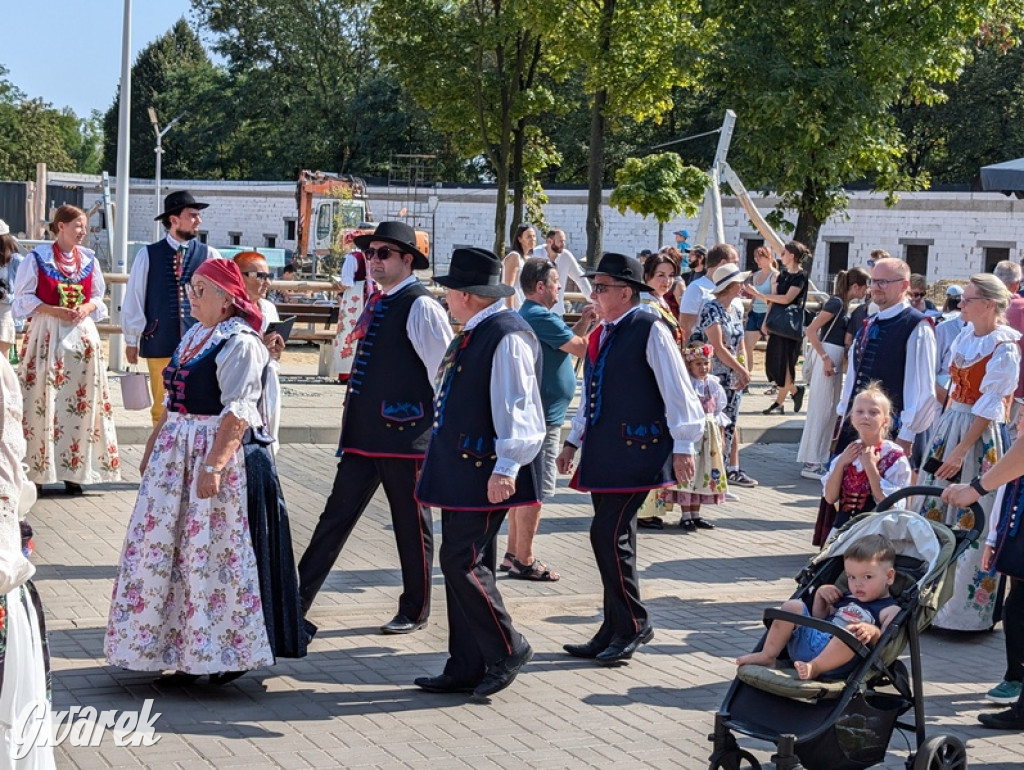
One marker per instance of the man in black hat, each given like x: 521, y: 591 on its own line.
x: 636, y: 426
x: 155, y: 313
x: 402, y: 335
x: 488, y: 430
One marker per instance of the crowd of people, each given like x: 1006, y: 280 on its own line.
x: 207, y: 583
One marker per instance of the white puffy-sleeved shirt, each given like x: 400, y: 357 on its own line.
x: 895, y: 478
x: 240, y: 366
x: 27, y: 282
x: 1001, y: 371
x: 711, y: 384
x: 133, y: 308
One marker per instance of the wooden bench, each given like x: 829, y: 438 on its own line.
x: 320, y: 327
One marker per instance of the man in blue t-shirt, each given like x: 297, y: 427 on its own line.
x: 541, y: 286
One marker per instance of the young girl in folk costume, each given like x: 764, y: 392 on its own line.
x: 355, y: 288
x: 709, y: 484
x: 867, y: 471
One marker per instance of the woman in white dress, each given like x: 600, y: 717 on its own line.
x: 187, y: 593
x: 523, y: 244
x: 24, y: 660
x: 69, y: 423
x: 354, y: 290
x: 970, y: 437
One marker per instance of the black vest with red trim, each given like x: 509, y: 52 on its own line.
x: 167, y: 309
x: 462, y: 454
x: 389, y: 401
x: 880, y: 353
x: 626, y: 442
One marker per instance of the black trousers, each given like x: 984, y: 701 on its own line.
x: 1013, y: 627
x: 357, y: 479
x: 613, y: 538
x: 480, y: 630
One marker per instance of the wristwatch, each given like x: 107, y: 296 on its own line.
x: 212, y: 470
x: 977, y: 487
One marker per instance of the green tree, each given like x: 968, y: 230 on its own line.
x: 661, y: 186
x: 630, y: 53
x: 174, y: 75
x: 31, y: 132
x: 475, y: 67
x: 813, y: 83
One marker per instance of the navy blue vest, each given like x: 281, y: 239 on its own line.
x: 626, y: 445
x: 167, y: 308
x: 883, y: 355
x: 389, y: 401
x: 461, y: 455
x: 193, y: 388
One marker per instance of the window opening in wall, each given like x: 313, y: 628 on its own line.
x: 917, y: 258
x: 270, y: 240
x: 750, y: 246
x: 203, y: 235
x: 289, y: 229
x: 234, y: 239
x: 994, y: 255
x: 838, y: 259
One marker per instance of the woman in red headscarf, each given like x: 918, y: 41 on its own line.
x: 187, y: 593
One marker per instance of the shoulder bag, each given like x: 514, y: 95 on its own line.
x: 787, y: 320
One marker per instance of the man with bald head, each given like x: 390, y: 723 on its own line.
x: 896, y: 347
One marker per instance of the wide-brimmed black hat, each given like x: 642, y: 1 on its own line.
x: 626, y: 269
x: 176, y: 201
x: 400, y: 234
x: 476, y: 271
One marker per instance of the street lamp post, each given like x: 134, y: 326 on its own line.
x: 159, y: 150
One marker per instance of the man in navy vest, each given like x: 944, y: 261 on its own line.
x: 488, y: 430
x: 636, y: 426
x: 896, y: 347
x: 402, y: 335
x: 155, y: 313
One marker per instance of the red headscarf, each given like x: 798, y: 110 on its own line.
x: 228, y: 277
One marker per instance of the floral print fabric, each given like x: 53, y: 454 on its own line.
x: 343, y: 349
x: 68, y: 417
x: 186, y: 596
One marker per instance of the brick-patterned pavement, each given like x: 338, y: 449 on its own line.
x: 351, y: 703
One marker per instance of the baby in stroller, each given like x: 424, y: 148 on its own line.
x: 864, y: 610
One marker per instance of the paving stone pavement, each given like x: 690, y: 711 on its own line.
x: 351, y: 703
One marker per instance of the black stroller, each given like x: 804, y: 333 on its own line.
x: 847, y: 725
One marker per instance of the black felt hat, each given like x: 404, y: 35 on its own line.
x: 626, y: 269
x: 399, y: 234
x: 475, y: 271
x: 177, y: 201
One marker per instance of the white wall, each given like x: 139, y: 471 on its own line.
x: 956, y: 226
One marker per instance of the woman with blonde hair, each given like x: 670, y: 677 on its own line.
x: 761, y: 280
x: 970, y: 437
x: 69, y: 423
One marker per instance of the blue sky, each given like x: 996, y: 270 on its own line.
x: 68, y: 52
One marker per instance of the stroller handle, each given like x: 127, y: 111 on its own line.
x: 977, y: 510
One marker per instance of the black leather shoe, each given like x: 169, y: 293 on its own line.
x: 501, y: 674
x: 1011, y: 719
x: 589, y: 650
x: 221, y: 679
x: 444, y: 683
x: 654, y: 522
x: 177, y: 679
x: 622, y: 648
x: 71, y: 488
x: 798, y: 398
x: 400, y: 624
x: 703, y: 524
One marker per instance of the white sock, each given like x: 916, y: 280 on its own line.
x: 731, y: 468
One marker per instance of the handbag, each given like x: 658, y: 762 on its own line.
x: 787, y: 320
x: 135, y: 393
x: 1009, y: 557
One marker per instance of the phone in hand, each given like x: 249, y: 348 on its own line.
x: 932, y: 465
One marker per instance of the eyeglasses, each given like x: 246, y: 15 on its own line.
x: 382, y: 253
x: 917, y: 294
x: 883, y: 282
x: 195, y: 290
x: 601, y: 288
x: 257, y: 275
x: 965, y: 300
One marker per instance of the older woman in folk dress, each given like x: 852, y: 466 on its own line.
x: 69, y: 423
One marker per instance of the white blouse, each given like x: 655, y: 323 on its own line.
x: 240, y: 365
x: 27, y: 282
x: 1001, y: 372
x: 712, y: 385
x: 893, y: 480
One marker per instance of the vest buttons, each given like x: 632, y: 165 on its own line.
x: 643, y: 446
x: 629, y: 443
x: 465, y: 456
x: 478, y: 463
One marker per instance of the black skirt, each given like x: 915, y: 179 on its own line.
x: 275, y: 562
x: 780, y: 359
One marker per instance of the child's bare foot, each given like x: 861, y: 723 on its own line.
x: 804, y: 670
x: 756, y: 658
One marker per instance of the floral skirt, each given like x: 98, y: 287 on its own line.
x: 343, y: 352
x: 68, y: 417
x: 709, y: 482
x: 971, y: 608
x: 186, y: 596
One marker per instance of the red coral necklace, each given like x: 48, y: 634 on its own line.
x: 69, y: 264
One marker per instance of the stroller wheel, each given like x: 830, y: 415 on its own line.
x: 733, y: 760
x: 943, y: 752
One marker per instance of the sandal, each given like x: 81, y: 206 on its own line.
x: 506, y: 562
x: 535, y: 571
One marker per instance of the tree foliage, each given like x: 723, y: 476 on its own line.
x: 814, y: 83
x: 659, y: 185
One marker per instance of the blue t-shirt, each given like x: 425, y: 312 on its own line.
x: 557, y: 380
